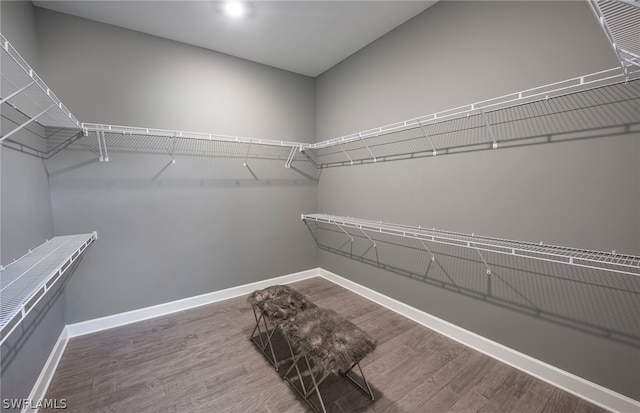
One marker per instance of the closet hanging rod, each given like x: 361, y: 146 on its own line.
x: 599, y: 260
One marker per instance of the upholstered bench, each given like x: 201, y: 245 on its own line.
x: 271, y: 307
x: 328, y: 344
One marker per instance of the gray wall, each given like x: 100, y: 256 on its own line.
x: 170, y: 231
x: 457, y: 53
x: 26, y: 220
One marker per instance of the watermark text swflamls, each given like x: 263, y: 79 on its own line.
x: 34, y: 404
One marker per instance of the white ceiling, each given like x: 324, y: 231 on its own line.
x: 306, y: 37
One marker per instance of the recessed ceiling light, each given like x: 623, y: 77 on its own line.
x: 235, y: 9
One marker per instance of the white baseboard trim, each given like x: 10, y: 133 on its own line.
x: 116, y: 320
x: 592, y: 392
x: 42, y: 384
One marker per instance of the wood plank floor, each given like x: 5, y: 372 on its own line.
x: 201, y: 360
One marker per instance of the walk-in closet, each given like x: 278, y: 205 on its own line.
x: 329, y: 206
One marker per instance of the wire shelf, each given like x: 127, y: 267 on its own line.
x: 584, y: 108
x: 586, y: 103
x: 606, y: 261
x: 619, y: 20
x: 26, y: 92
x: 163, y: 133
x: 25, y: 281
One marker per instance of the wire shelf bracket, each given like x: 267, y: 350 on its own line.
x: 426, y: 135
x: 291, y: 157
x: 24, y: 282
x: 604, y: 261
x: 494, y: 145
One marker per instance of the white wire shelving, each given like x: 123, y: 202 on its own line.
x: 536, y: 94
x: 24, y: 282
x: 603, y: 103
x: 590, y: 102
x: 605, y: 261
x: 114, y: 132
x: 620, y: 21
x: 27, y: 93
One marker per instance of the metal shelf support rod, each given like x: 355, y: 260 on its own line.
x: 373, y: 245
x: 348, y: 235
x: 246, y: 156
x: 346, y: 154
x: 426, y: 135
x: 26, y: 123
x: 173, y: 150
x: 427, y: 248
x: 104, y: 143
x: 292, y: 155
x: 369, y: 238
x: 484, y: 261
x: 17, y: 92
x: 101, y: 158
x: 486, y: 122
x: 371, y: 153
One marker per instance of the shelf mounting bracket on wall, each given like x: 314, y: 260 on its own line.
x: 481, y: 257
x: 102, y: 146
x: 488, y: 125
x: 365, y: 145
x: 173, y: 150
x: 291, y: 157
x: 428, y: 250
x: 426, y: 135
x: 246, y: 157
x: 101, y: 155
x: 348, y: 235
x: 346, y: 154
x: 373, y: 245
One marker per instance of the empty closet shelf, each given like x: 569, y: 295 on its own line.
x: 24, y: 90
x: 25, y: 281
x: 606, y: 261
